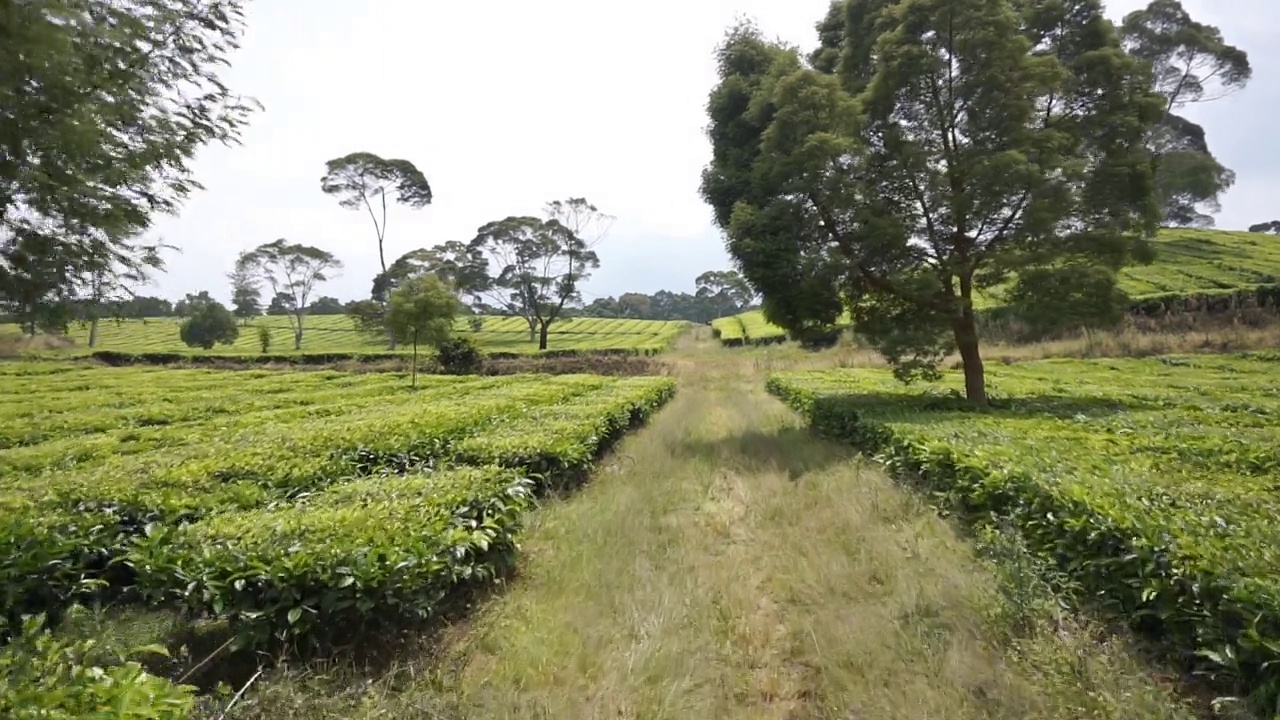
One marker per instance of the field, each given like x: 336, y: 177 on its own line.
x: 722, y: 562
x: 335, y: 334
x: 285, y: 503
x: 1153, y: 483
x: 1190, y: 267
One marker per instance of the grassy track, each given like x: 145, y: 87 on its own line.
x: 726, y: 564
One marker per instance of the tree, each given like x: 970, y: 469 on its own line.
x: 725, y: 291
x: 539, y: 266
x: 1272, y: 227
x: 422, y: 310
x: 326, y: 305
x: 104, y: 106
x: 362, y: 179
x: 981, y: 140
x: 1190, y: 63
x: 190, y: 302
x: 291, y: 270
x: 636, y: 305
x: 246, y: 294
x: 104, y: 283
x: 281, y: 305
x: 209, y: 323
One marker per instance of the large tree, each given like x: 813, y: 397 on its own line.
x: 961, y: 143
x: 103, y: 105
x: 1190, y: 63
x: 530, y: 267
x: 726, y: 289
x: 292, y: 271
x: 364, y: 180
x: 105, y: 283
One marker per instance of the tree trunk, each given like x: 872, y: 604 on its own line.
x: 414, y: 382
x: 93, y: 332
x: 533, y: 332
x: 542, y: 336
x: 966, y: 332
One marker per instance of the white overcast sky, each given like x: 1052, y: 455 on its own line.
x: 508, y: 104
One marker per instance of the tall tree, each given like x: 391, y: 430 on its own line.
x: 531, y: 268
x: 364, y: 180
x: 291, y: 270
x: 105, y: 283
x: 103, y: 105
x: 1190, y: 63
x: 246, y: 294
x: 980, y: 139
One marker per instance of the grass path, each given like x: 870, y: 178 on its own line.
x: 726, y: 564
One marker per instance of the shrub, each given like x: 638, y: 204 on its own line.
x: 44, y: 677
x: 210, y: 323
x: 264, y: 338
x: 460, y: 356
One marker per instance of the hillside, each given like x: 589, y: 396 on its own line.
x: 335, y: 334
x: 1188, y: 263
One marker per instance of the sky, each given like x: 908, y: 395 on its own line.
x: 506, y: 105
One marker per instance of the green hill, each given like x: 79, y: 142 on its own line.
x: 1191, y: 266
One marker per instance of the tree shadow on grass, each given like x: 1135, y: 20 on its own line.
x: 793, y: 451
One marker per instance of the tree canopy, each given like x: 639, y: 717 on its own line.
x: 421, y: 312
x: 363, y: 180
x: 292, y: 271
x: 103, y: 106
x: 948, y: 146
x: 210, y: 323
x: 532, y: 267
x: 1190, y: 63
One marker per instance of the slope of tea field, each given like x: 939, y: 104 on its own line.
x: 1154, y: 481
x: 335, y: 334
x: 1188, y: 263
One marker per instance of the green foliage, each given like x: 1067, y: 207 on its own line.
x: 357, y: 556
x: 292, y: 271
x: 44, y: 677
x: 246, y: 294
x: 264, y: 339
x: 361, y: 179
x: 1148, y: 482
x: 209, y: 323
x: 1190, y: 63
x: 533, y: 267
x: 460, y: 356
x: 105, y: 106
x: 422, y: 311
x: 1053, y: 300
x: 897, y: 184
x: 83, y: 490
x: 155, y: 338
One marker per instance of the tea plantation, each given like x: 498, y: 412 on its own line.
x: 287, y: 504
x: 1153, y: 483
x: 1191, y: 267
x: 336, y: 334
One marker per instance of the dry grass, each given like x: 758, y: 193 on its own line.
x: 726, y: 564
